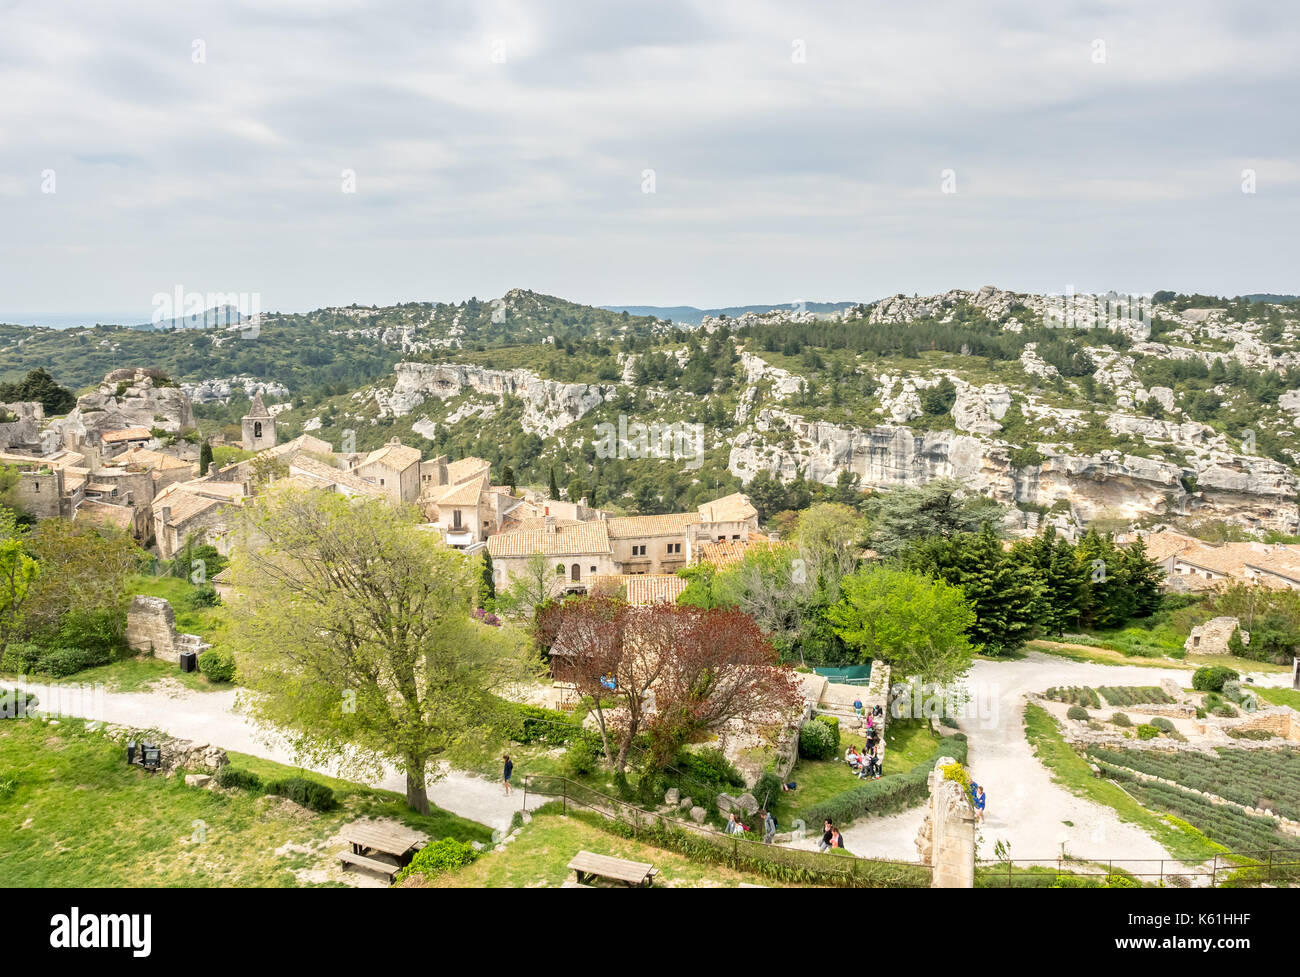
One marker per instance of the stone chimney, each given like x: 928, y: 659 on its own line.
x: 550, y: 523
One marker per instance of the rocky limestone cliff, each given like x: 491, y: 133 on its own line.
x: 549, y: 405
x: 129, y: 398
x: 1252, y: 490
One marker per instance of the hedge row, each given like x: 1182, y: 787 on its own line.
x: 773, y: 861
x: 57, y: 662
x: 888, y: 795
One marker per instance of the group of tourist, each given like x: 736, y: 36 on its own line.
x: 736, y: 827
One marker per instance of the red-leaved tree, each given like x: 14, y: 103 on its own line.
x: 677, y: 673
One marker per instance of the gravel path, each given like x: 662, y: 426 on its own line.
x: 210, y: 717
x: 1026, y: 809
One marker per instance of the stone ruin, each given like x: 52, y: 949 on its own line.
x: 151, y: 630
x: 946, y: 841
x: 1212, y: 637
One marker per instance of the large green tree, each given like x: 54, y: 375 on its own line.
x: 915, y: 623
x: 1006, y: 593
x: 355, y: 632
x: 939, y: 509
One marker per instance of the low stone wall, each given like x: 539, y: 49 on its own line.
x: 1278, y: 720
x: 177, y: 754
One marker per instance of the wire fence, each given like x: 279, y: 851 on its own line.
x: 1263, y: 866
x: 743, y: 854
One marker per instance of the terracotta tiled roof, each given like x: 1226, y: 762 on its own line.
x: 126, y: 434
x: 641, y: 589
x: 303, y: 442
x: 670, y: 524
x: 569, y: 539
x: 398, y: 457
x: 730, y: 508
x: 466, y: 468
x: 122, y: 516
x: 318, y: 474
x: 157, y: 460
x: 1240, y: 561
x: 467, y: 493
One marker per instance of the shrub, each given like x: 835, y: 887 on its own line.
x: 534, y: 724
x: 61, y: 662
x: 703, y: 774
x: 1210, y: 678
x: 233, y: 777
x: 1250, y: 734
x: 816, y: 741
x: 1119, y: 719
x: 1163, y: 724
x: 21, y: 658
x: 767, y: 789
x: 1147, y: 732
x: 834, y: 723
x: 202, y: 596
x: 957, y: 773
x: 218, y: 666
x: 438, y: 857
x: 582, y: 755
x: 1076, y: 712
x: 308, y: 793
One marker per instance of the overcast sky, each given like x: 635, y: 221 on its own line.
x: 798, y: 150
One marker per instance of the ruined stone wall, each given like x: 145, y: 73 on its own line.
x: 947, y: 838
x: 151, y: 628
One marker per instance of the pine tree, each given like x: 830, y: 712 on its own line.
x: 554, y: 489
x: 1062, y: 579
x: 1005, y: 592
x: 487, y: 588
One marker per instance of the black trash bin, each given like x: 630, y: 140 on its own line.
x: 189, y: 661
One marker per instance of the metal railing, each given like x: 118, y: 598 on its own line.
x: 735, y: 851
x: 1251, y: 867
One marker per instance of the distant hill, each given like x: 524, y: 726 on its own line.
x: 692, y: 316
x: 1269, y: 297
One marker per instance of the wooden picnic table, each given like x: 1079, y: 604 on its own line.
x: 587, y: 865
x: 390, y: 839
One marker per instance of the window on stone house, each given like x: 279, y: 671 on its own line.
x: 257, y: 429
x: 455, y: 518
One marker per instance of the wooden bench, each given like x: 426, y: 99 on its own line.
x: 386, y: 869
x: 588, y: 865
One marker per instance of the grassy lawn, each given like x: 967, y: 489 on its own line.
x: 539, y: 858
x: 1072, y: 771
x: 77, y: 815
x: 1099, y: 655
x: 907, y: 743
x: 1279, y: 697
x: 207, y: 622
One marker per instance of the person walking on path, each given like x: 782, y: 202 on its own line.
x: 769, y: 826
x: 978, y: 791
x: 734, y: 827
x: 857, y: 708
x: 506, y: 771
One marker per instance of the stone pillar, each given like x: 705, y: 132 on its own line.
x: 947, y: 838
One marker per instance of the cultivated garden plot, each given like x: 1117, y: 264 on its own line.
x: 1123, y: 695
x: 1267, y: 779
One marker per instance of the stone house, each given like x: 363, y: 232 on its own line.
x: 196, y: 508
x: 395, y: 468
x: 621, y: 545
